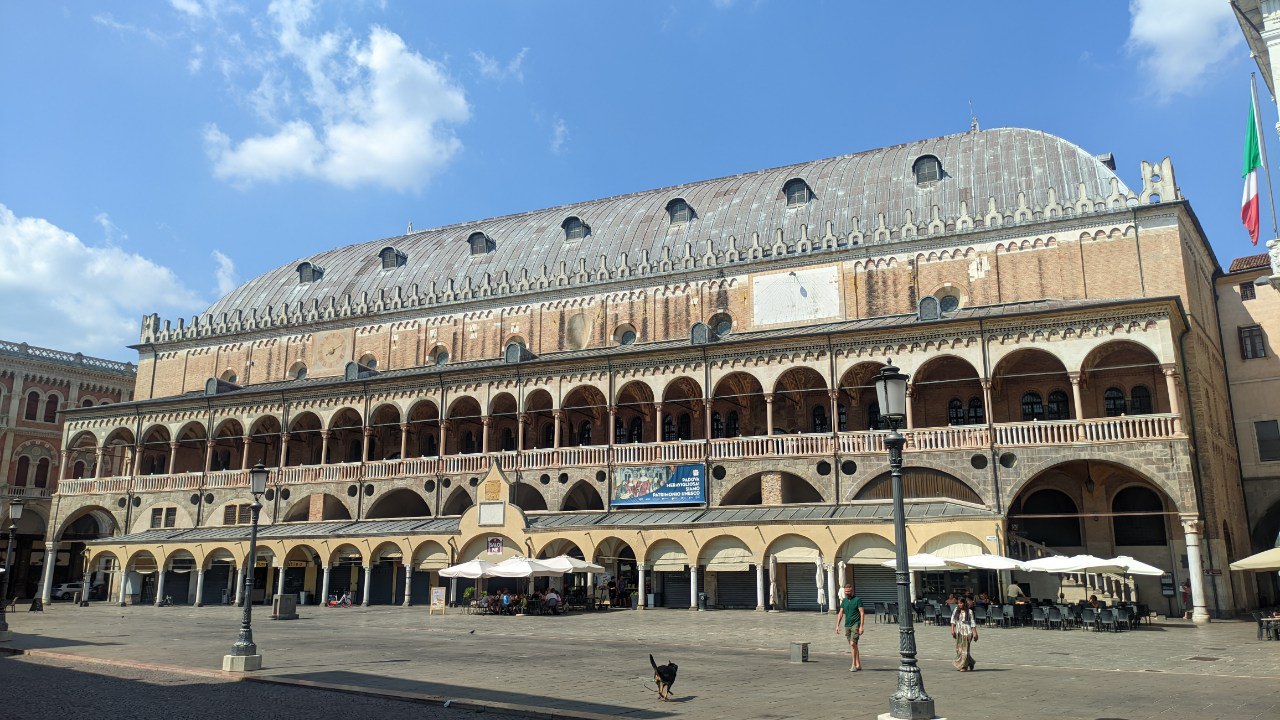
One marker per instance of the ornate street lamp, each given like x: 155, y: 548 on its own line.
x: 244, y: 655
x: 909, y: 701
x: 15, y: 513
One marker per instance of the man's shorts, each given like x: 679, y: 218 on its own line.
x: 851, y: 633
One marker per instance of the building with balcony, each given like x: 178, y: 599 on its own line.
x: 676, y: 384
x: 37, y: 387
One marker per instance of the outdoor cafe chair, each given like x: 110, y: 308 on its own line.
x: 1107, y: 619
x: 1089, y: 618
x: 880, y: 610
x: 891, y: 612
x: 1124, y: 616
x: 1038, y: 618
x: 1054, y: 616
x: 980, y: 615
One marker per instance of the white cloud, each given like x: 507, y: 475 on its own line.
x: 379, y: 113
x: 189, y: 7
x: 224, y: 273
x: 67, y: 295
x: 1178, y: 41
x: 559, y: 135
x: 494, y: 70
x: 107, y: 20
x: 196, y: 62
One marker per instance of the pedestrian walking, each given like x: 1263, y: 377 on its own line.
x: 965, y: 631
x: 1186, y: 599
x: 850, y: 621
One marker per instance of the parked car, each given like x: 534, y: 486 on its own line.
x: 65, y: 591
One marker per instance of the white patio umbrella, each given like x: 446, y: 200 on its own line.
x: 1265, y: 561
x: 567, y: 564
x: 1136, y: 567
x: 822, y: 583
x: 473, y: 569
x: 1093, y: 564
x: 773, y: 582
x: 1049, y: 564
x: 923, y: 561
x: 988, y: 562
x: 520, y: 567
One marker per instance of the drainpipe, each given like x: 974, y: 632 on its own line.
x: 835, y: 419
x: 610, y: 438
x: 1195, y: 464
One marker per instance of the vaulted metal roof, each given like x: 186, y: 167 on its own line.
x: 851, y: 192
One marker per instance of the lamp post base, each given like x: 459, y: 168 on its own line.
x: 891, y: 716
x: 241, y: 663
x: 6, y: 636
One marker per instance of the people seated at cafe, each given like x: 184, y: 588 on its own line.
x: 1093, y: 602
x: 552, y: 601
x: 982, y: 600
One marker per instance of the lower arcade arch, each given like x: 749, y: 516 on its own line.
x: 772, y: 488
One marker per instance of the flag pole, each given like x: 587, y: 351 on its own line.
x: 1262, y: 147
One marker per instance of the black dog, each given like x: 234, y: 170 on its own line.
x: 664, y: 676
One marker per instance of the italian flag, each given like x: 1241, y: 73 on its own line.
x: 1252, y: 161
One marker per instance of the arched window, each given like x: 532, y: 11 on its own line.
x: 584, y: 433
x: 51, y: 409
x: 392, y: 258
x: 842, y: 417
x: 820, y: 424
x: 22, y: 471
x: 619, y: 431
x: 685, y: 427
x: 977, y: 413
x: 955, y: 412
x: 679, y: 211
x: 732, y: 426
x: 549, y: 435
x: 77, y: 470
x: 298, y: 371
x: 439, y: 356
x: 514, y: 352
x: 927, y: 168
x: 1058, y: 407
x: 368, y: 360
x: 637, y: 430
x: 1140, y: 400
x: 1113, y: 402
x: 42, y: 473
x: 1059, y: 529
x: 508, y: 440
x: 33, y: 406
x: 308, y: 272
x: 574, y: 228
x: 480, y: 243
x: 668, y: 428
x: 717, y: 425
x: 797, y: 192
x: 873, y: 416
x: 87, y: 402
x: 1032, y: 407
x: 1136, y: 520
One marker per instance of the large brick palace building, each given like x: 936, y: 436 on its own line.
x: 677, y: 384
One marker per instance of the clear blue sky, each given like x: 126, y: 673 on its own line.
x: 139, y: 139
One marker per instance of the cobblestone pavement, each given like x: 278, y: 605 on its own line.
x: 730, y: 661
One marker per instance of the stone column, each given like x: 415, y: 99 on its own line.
x: 200, y: 587
x: 613, y: 419
x: 137, y: 459
x: 521, y: 420
x: 244, y: 452
x: 279, y: 588
x: 911, y: 405
x: 768, y: 413
x: 240, y: 585
x: 365, y: 433
x: 404, y: 440
x: 324, y: 587
x: 173, y: 456
x: 832, y: 602
x: 284, y: 449
x: 706, y: 418
x: 485, y: 423
x: 1077, y: 403
x: 408, y: 583
x: 368, y: 581
x: 643, y: 597
x: 50, y: 561
x: 771, y: 488
x: 124, y: 577
x: 159, y: 585
x: 1171, y: 384
x: 208, y: 454
x: 64, y: 470
x: 657, y: 420
x: 693, y: 587
x: 760, y: 596
x: 1192, y: 528
x: 555, y: 419
x: 99, y: 459
x: 444, y: 435
x: 835, y: 410
x: 324, y: 446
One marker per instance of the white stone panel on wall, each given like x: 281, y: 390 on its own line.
x: 796, y: 296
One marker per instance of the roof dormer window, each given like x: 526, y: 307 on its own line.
x: 679, y: 211
x: 927, y: 168
x: 574, y: 228
x: 797, y: 192
x: 480, y: 243
x: 392, y: 258
x: 308, y: 273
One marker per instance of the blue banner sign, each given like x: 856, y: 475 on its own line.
x: 660, y: 485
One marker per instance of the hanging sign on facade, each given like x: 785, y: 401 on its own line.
x: 659, y: 485
x: 495, y: 546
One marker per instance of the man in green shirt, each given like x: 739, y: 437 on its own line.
x: 849, y: 621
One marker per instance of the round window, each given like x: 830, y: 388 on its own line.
x: 628, y: 338
x: 948, y: 304
x: 721, y: 324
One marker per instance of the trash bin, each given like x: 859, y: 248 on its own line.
x: 304, y: 598
x: 702, y: 601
